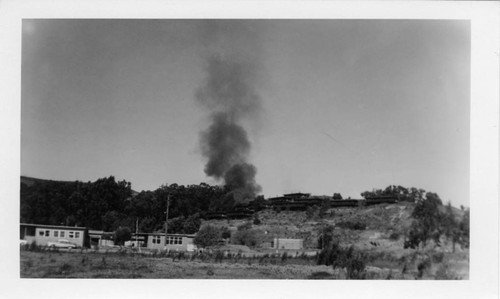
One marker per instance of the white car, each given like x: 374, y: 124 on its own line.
x: 62, y: 243
x: 24, y: 242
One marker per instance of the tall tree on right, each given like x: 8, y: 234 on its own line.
x: 428, y: 221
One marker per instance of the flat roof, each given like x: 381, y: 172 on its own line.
x: 54, y: 226
x: 170, y: 235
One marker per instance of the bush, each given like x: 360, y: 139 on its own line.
x: 226, y: 233
x: 338, y: 257
x: 249, y: 237
x: 394, y: 236
x: 325, y: 237
x: 208, y: 235
x: 33, y: 247
x: 284, y: 257
x: 438, y: 257
x: 444, y: 273
x: 422, y: 266
x: 122, y: 234
x: 219, y: 256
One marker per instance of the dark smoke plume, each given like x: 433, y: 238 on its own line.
x: 229, y: 94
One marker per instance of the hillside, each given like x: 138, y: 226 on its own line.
x: 378, y: 228
x: 29, y: 181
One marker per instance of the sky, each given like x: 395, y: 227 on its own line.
x: 344, y: 106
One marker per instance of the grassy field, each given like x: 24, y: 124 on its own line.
x: 80, y: 264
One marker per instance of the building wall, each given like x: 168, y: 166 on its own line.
x: 176, y: 243
x: 44, y: 235
x: 288, y: 244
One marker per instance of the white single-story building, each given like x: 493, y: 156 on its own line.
x: 41, y: 234
x: 175, y: 242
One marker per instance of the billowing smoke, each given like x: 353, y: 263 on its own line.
x: 229, y: 94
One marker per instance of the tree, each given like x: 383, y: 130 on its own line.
x: 326, y: 236
x: 464, y: 227
x: 427, y: 223
x: 207, y: 236
x: 122, y: 234
x: 451, y: 229
x: 176, y: 225
x: 403, y: 194
x: 192, y: 224
x: 323, y: 208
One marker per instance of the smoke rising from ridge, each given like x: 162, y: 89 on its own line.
x: 229, y: 94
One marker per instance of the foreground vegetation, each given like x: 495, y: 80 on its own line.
x: 349, y: 264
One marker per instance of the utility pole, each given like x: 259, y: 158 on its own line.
x: 136, y: 232
x: 323, y: 237
x: 166, y: 219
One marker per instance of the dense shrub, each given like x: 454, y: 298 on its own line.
x: 438, y: 257
x: 219, y: 256
x: 325, y: 237
x: 423, y: 266
x: 225, y: 233
x: 346, y: 258
x: 208, y: 235
x: 394, y: 236
x: 284, y: 257
x: 122, y: 234
x: 248, y: 237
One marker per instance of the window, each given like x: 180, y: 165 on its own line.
x: 41, y: 233
x: 62, y: 234
x: 156, y: 240
x: 56, y: 233
x: 30, y: 231
x: 47, y: 233
x: 71, y: 234
x: 174, y: 240
x: 77, y: 234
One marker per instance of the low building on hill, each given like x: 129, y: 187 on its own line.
x: 297, y: 195
x: 41, y: 234
x: 175, y: 242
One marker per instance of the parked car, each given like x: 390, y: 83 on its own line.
x: 23, y: 242
x: 62, y: 243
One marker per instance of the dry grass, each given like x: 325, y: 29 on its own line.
x: 95, y: 265
x: 46, y: 264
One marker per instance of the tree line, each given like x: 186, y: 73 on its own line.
x: 108, y: 204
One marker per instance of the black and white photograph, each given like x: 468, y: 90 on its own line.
x: 215, y: 147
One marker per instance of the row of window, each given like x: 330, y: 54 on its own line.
x: 58, y: 234
x: 174, y: 240
x: 170, y: 240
